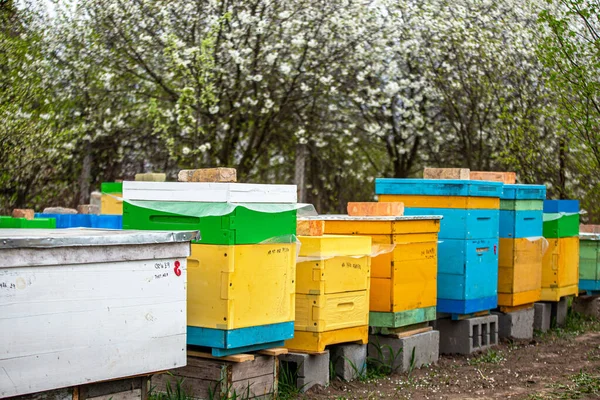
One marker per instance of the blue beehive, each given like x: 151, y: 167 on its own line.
x: 521, y: 214
x: 64, y: 221
x: 468, y: 247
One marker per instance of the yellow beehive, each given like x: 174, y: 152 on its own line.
x: 239, y: 286
x: 405, y: 278
x: 461, y: 202
x: 111, y: 204
x: 519, y: 271
x: 317, y: 341
x: 560, y: 268
x: 333, y: 264
x: 328, y: 312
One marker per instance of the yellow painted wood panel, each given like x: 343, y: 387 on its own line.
x: 110, y: 204
x: 334, y: 245
x: 381, y: 295
x: 555, y: 294
x: 406, y: 247
x: 518, y: 299
x: 519, y: 265
x: 327, y: 312
x: 560, y: 268
x: 317, y: 341
x: 334, y: 275
x: 417, y: 201
x: 231, y: 287
x: 414, y: 284
x: 358, y: 227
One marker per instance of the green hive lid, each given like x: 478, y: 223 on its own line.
x: 8, y: 222
x: 111, y: 187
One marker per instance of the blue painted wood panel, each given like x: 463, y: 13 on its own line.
x: 85, y: 220
x: 461, y: 223
x: 558, y: 206
x: 467, y: 306
x: 521, y: 224
x: 438, y: 187
x: 238, y: 338
x: 588, y: 284
x: 524, y: 192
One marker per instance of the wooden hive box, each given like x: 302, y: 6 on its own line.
x: 241, y: 297
x: 207, y: 379
x: 85, y: 306
x: 469, y: 232
x: 520, y: 245
x: 560, y: 269
x: 404, y: 276
x: 589, y: 262
x: 110, y: 198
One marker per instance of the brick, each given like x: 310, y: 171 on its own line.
x: 516, y: 324
x: 504, y: 177
x: 373, y: 209
x: 542, y: 316
x: 88, y: 209
x: 446, y: 173
x: 310, y: 227
x: 59, y: 210
x: 208, y: 175
x: 589, y: 228
x: 587, y: 305
x: 468, y: 335
x: 151, y: 177
x: 397, y: 352
x: 349, y: 360
x: 309, y: 369
x: 23, y: 213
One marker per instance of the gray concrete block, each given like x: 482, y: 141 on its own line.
x: 349, y: 360
x: 587, y: 305
x: 542, y: 316
x: 559, y: 311
x: 516, y: 324
x: 468, y: 335
x: 397, y: 353
x: 309, y: 369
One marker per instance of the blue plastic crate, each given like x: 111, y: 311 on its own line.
x: 438, y: 187
x: 521, y: 224
x: 524, y: 192
x: 458, y: 223
x: 559, y: 206
x: 467, y: 275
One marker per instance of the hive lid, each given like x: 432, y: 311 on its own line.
x: 524, y: 192
x: 80, y: 237
x: 589, y: 236
x: 343, y: 217
x: 111, y: 187
x: 438, y: 187
x: 561, y: 206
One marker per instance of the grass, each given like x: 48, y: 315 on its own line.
x: 583, y: 386
x: 490, y: 357
x: 288, y: 379
x: 386, y: 361
x: 170, y: 393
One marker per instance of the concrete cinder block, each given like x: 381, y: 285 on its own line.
x: 587, y: 305
x: 446, y: 173
x: 516, y: 325
x: 310, y: 369
x: 23, y: 213
x: 542, y: 316
x: 349, y: 360
x: 59, y: 210
x: 559, y: 311
x: 468, y: 335
x: 397, y: 353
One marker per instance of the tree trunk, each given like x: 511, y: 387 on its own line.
x: 86, y: 174
x: 299, y: 173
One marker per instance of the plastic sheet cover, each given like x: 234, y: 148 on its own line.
x: 554, y: 216
x: 198, y: 209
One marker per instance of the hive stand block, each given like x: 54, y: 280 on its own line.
x: 135, y: 388
x: 397, y: 352
x: 559, y: 311
x: 542, y: 316
x: 516, y: 324
x: 468, y: 335
x: 349, y: 360
x: 587, y: 305
x: 310, y: 369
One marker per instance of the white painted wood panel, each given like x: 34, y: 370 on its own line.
x: 210, y: 192
x: 79, y: 323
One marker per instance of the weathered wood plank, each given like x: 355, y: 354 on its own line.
x: 208, y: 175
x: 233, y: 358
x: 277, y: 351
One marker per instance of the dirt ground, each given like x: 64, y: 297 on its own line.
x: 561, y: 364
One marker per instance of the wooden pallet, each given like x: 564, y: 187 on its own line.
x: 235, y: 376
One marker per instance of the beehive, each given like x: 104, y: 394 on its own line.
x: 403, y: 277
x: 38, y: 223
x: 83, y: 220
x: 241, y: 282
x: 560, y: 269
x: 589, y: 262
x: 521, y: 245
x: 468, y: 247
x: 110, y: 199
x: 332, y: 291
